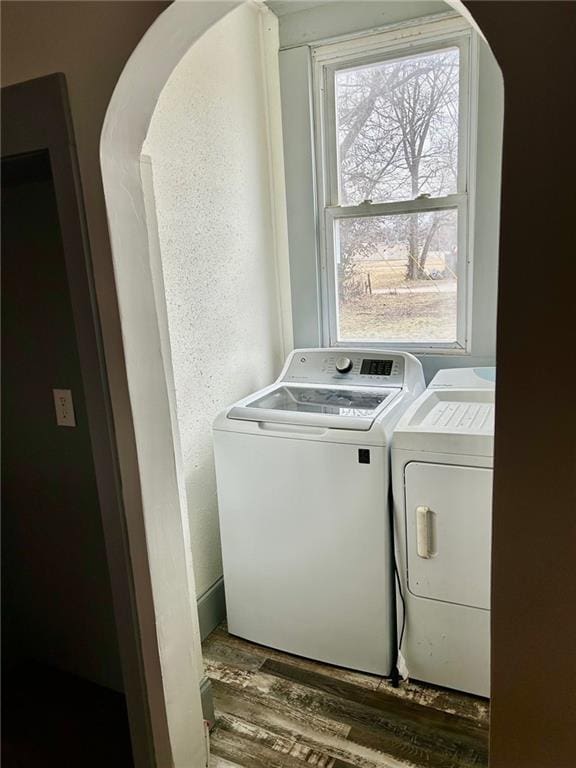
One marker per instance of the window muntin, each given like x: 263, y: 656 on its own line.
x: 430, y: 174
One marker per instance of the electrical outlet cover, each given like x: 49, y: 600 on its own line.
x: 64, y: 406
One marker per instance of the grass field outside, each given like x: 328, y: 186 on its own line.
x: 398, y: 309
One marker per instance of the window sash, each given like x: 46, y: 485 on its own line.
x: 327, y: 109
x: 459, y: 203
x: 404, y: 40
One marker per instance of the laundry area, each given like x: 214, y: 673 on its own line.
x: 334, y: 376
x: 355, y: 516
x: 337, y: 588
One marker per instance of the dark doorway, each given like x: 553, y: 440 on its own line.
x: 57, y: 598
x: 62, y: 702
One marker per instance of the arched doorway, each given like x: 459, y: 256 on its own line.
x: 148, y: 359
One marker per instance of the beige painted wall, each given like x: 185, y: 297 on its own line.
x: 210, y: 147
x: 90, y: 42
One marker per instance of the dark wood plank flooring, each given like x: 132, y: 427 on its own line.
x: 274, y: 710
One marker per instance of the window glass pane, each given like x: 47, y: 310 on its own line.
x: 397, y: 277
x: 397, y: 128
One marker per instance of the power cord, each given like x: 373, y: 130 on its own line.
x: 402, y: 601
x: 395, y: 676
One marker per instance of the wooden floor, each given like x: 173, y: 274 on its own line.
x: 274, y: 710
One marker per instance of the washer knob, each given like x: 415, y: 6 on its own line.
x: 343, y: 364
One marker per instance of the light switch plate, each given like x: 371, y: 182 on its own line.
x: 64, y: 406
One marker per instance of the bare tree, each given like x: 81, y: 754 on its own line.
x: 398, y: 140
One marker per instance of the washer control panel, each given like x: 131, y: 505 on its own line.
x: 350, y: 366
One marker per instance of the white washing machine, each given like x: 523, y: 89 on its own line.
x: 442, y: 483
x: 303, y: 479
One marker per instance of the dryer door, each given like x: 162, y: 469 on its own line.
x: 448, y: 532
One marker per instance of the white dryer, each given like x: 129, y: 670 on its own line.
x: 442, y: 453
x: 303, y: 478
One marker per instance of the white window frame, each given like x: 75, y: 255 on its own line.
x: 414, y: 37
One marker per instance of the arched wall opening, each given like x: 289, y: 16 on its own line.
x: 161, y: 203
x: 164, y: 588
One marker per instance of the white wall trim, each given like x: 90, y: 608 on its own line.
x: 211, y: 608
x: 147, y: 177
x: 398, y: 35
x: 271, y: 73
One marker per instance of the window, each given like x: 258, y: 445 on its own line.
x: 393, y: 114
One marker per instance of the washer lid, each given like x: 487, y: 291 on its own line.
x: 330, y: 407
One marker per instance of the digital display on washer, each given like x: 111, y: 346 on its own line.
x: 376, y: 367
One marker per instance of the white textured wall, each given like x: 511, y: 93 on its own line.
x: 212, y: 157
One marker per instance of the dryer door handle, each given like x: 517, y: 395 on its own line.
x: 424, y: 532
